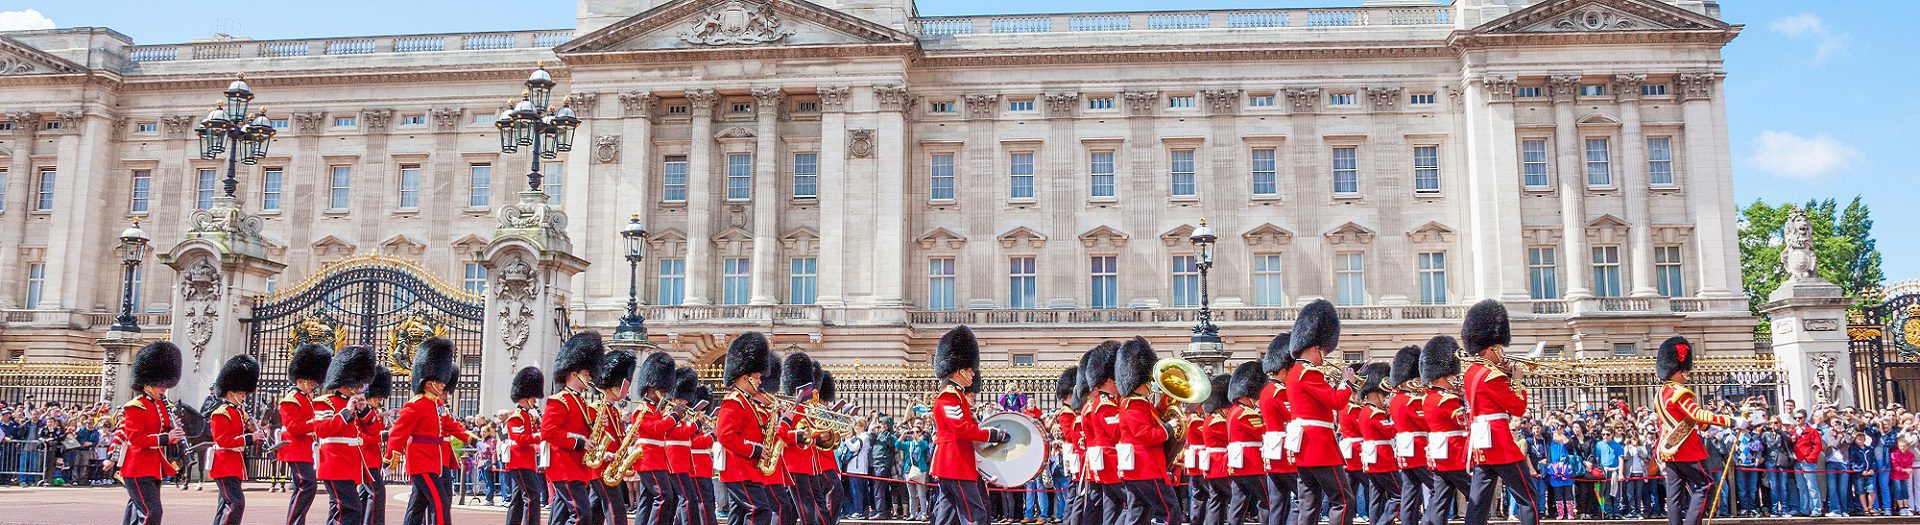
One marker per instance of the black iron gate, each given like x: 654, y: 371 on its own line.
x: 384, y: 303
x: 1884, y: 339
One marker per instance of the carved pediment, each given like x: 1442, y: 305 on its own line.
x: 402, y: 245
x: 1431, y: 232
x: 734, y: 241
x: 1607, y: 229
x: 941, y: 237
x: 801, y: 240
x: 331, y: 246
x: 1022, y: 236
x: 1588, y: 16
x: 1350, y: 233
x: 1177, y: 236
x: 667, y: 243
x: 18, y: 58
x: 1268, y: 235
x: 469, y: 245
x: 1103, y: 235
x: 721, y: 24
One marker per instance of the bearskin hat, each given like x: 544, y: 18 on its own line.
x: 770, y: 376
x: 239, y: 374
x: 616, y: 368
x: 157, y: 364
x: 1079, y: 394
x: 1134, y: 367
x: 1096, y: 366
x: 1486, y: 326
x: 1374, y: 379
x: 453, y: 379
x: 1063, y: 387
x: 1318, y: 326
x: 382, y: 385
x: 957, y: 351
x: 1249, y: 379
x: 684, y: 381
x: 433, y: 361
x: 352, y: 368
x: 796, y: 372
x: 1217, y: 396
x: 528, y: 383
x: 747, y: 354
x: 1279, y: 356
x: 656, y: 372
x: 1406, y: 366
x: 582, y: 352
x: 1676, y: 355
x: 826, y: 386
x: 309, y: 362
x: 1439, y: 359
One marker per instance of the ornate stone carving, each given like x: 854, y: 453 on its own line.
x: 377, y: 119
x: 1821, y: 325
x: 1142, y: 102
x: 982, y: 105
x: 832, y: 98
x: 70, y: 120
x: 639, y: 103
x: 892, y: 97
x: 767, y: 100
x: 1596, y: 19
x: 1626, y: 86
x: 584, y: 104
x: 1499, y: 89
x: 1697, y: 86
x: 533, y: 213
x: 1826, y: 384
x: 514, y: 291
x: 1384, y: 98
x: 24, y: 121
x: 1303, y: 100
x: 859, y: 143
x: 225, y: 218
x: 16, y: 65
x: 1221, y: 101
x: 737, y: 22
x: 1797, y: 259
x: 1562, y: 88
x: 200, y: 288
x: 700, y: 102
x: 1062, y: 104
x: 606, y: 149
x: 309, y: 121
x: 120, y: 126
x: 176, y: 126
x: 446, y: 119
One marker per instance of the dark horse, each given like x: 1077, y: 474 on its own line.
x: 191, y: 454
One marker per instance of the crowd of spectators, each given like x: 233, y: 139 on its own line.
x: 54, y: 444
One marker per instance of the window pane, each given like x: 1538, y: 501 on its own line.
x: 1599, y: 169
x: 36, y: 281
x: 1669, y: 275
x: 554, y: 183
x: 1433, y: 278
x: 735, y: 280
x: 1020, y: 168
x: 940, y: 283
x: 806, y: 174
x: 1105, y: 281
x: 1426, y: 169
x: 1542, y: 274
x: 1533, y: 162
x: 739, y: 176
x: 480, y: 186
x: 1182, y: 173
x: 1350, y: 279
x: 1660, y: 160
x: 1186, y: 281
x: 43, y: 194
x: 802, y: 281
x: 474, y: 280
x: 1346, y: 170
x: 1264, y: 180
x: 1021, y: 281
x: 674, y: 180
x: 339, y: 188
x: 1100, y: 164
x: 1606, y: 271
x: 1266, y: 281
x: 270, y: 183
x: 673, y: 282
x: 142, y: 190
x: 941, y: 171
x: 409, y: 187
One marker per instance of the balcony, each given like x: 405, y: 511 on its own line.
x: 441, y: 43
x: 1434, y: 16
x: 72, y: 320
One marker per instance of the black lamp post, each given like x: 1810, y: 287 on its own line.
x: 531, y: 122
x: 133, y: 247
x: 632, y: 325
x: 230, y: 129
x: 1203, y: 239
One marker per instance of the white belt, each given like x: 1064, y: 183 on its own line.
x: 340, y: 441
x: 1490, y: 417
x: 1345, y: 442
x: 679, y: 443
x: 1313, y: 423
x: 1211, y: 450
x: 1414, y: 434
x: 1376, y: 442
x: 1238, y: 444
x: 1446, y: 435
x: 654, y: 442
x: 700, y: 451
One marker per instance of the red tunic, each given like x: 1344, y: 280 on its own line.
x: 1314, y: 405
x: 740, y: 424
x: 786, y: 435
x: 1141, y: 431
x: 799, y: 456
x: 680, y: 448
x: 1216, y: 432
x: 1274, y: 412
x: 1245, y: 429
x: 452, y: 429
x: 144, y: 423
x: 1679, y: 404
x: 417, y: 436
x: 1378, y: 431
x: 522, y: 442
x: 1350, y: 438
x: 1492, y: 401
x: 564, y: 425
x: 1410, y: 429
x: 1446, y: 431
x: 370, y: 442
x: 1099, y: 432
x: 652, y: 438
x: 955, y: 432
x: 338, y: 433
x: 703, y: 452
x: 228, y: 427
x: 1191, y: 463
x: 296, y: 419
x: 1067, y: 421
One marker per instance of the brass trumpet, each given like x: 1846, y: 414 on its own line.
x: 1535, y: 361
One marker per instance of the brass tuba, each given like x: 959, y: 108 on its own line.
x: 1182, y: 381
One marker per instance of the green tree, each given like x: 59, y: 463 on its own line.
x: 1842, y: 242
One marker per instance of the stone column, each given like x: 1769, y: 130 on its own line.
x: 220, y: 266
x: 83, y: 152
x: 531, y: 264
x: 1708, y: 177
x: 700, y: 196
x: 13, y: 225
x: 1572, y: 187
x: 833, y: 188
x: 1633, y: 184
x: 633, y: 182
x: 766, y: 196
x: 1810, y: 340
x: 1496, y: 246
x: 890, y: 198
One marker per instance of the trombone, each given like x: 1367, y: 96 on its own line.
x: 1534, y: 362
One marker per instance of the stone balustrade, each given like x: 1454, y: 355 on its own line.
x: 68, y: 319
x: 1185, y: 20
x: 232, y: 49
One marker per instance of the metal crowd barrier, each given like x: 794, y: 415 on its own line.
x: 26, y: 463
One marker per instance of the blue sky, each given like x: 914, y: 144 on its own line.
x: 1816, y: 103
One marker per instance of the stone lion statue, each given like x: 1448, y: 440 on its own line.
x: 1798, y: 259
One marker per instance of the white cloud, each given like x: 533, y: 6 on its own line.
x: 1810, y: 26
x: 1788, y: 155
x: 24, y: 20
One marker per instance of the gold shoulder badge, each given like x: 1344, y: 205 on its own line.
x: 135, y: 403
x: 293, y: 396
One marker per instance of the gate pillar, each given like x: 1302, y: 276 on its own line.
x: 530, y: 269
x: 220, y: 267
x: 1809, y: 317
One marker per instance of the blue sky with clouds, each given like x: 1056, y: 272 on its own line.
x: 1816, y: 90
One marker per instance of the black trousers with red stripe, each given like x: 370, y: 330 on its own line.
x: 524, y: 507
x: 143, y: 501
x: 655, y: 501
x: 1686, y: 483
x: 570, y: 506
x: 1245, y: 497
x: 1323, y: 485
x: 1148, y: 500
x: 1281, y: 487
x: 1382, y: 505
x: 811, y: 500
x: 827, y: 484
x: 748, y: 502
x: 786, y: 511
x: 305, y: 485
x: 1413, y: 493
x: 1481, y: 497
x: 609, y: 503
x: 962, y: 502
x: 343, y: 503
x: 233, y: 502
x: 373, y: 498
x: 423, y: 506
x: 1446, y: 485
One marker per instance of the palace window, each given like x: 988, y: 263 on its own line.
x: 273, y: 283
x: 1527, y: 92
x: 1653, y: 90
x: 1533, y: 163
x: 554, y: 182
x: 940, y: 106
x: 1022, y: 281
x: 479, y: 185
x: 1350, y: 279
x: 806, y: 106
x: 803, y: 277
x: 1341, y: 99
x: 1625, y: 350
x: 1267, y: 287
x: 1265, y: 178
x: 1181, y: 169
x: 1432, y: 277
x: 1660, y: 160
x: 1022, y: 359
x: 739, y: 176
x: 1599, y: 168
x: 674, y: 179
x: 1186, y: 281
x: 741, y: 107
x: 279, y: 123
x: 1606, y: 271
x: 1667, y: 271
x: 474, y: 279
x: 142, y: 190
x: 413, y: 120
x: 43, y: 191
x: 1420, y: 99
x: 346, y: 122
x: 409, y: 186
x: 672, y: 282
x: 1100, y: 165
x: 1593, y: 90
x: 736, y: 280
x: 1346, y: 170
x: 1426, y: 169
x: 205, y: 183
x: 806, y: 175
x: 1260, y: 101
x: 940, y: 172
x: 1180, y: 101
x: 1543, y: 279
x: 940, y: 283
x: 1099, y: 103
x: 36, y: 283
x: 1020, y: 169
x: 1020, y: 104
x: 3, y: 188
x: 147, y: 127
x: 679, y: 109
x: 270, y: 184
x: 1105, y: 277
x: 340, y: 188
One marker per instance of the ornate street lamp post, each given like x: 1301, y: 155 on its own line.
x: 1203, y: 239
x: 533, y: 123
x: 633, y: 326
x: 133, y: 246
x: 230, y: 129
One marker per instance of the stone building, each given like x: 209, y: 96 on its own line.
x: 855, y: 179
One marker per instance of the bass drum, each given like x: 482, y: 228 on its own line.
x: 1014, y: 463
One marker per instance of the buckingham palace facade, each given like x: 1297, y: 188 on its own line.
x: 855, y: 178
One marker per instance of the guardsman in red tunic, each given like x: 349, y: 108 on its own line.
x: 374, y: 498
x: 1681, y: 450
x: 956, y: 363
x: 1409, y: 433
x: 1376, y: 448
x: 1246, y: 472
x: 417, y: 433
x: 1282, y: 479
x: 1350, y: 445
x: 1216, y: 470
x: 520, y: 449
x: 146, y: 429
x: 1064, y: 421
x: 1098, y: 427
x: 565, y: 427
x: 659, y: 494
x: 1446, y: 416
x: 740, y: 426
x: 1492, y: 400
x: 1193, y: 463
x: 828, y: 482
x: 453, y: 430
x: 307, y: 368
x: 680, y: 445
x: 336, y: 427
x: 785, y: 509
x: 231, y: 430
x: 797, y: 377
x: 1315, y: 404
x: 704, y: 452
x: 612, y: 377
x: 1140, y: 452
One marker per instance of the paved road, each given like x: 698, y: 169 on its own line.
x: 105, y: 506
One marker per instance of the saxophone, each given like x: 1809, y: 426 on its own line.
x: 770, y: 439
x: 628, y: 454
x: 599, y: 438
